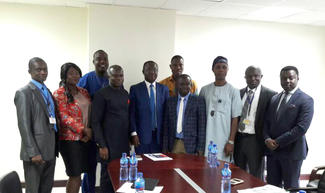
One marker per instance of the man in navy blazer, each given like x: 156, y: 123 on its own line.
x: 147, y: 102
x: 288, y: 119
x: 185, y: 124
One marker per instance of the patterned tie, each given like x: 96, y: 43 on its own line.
x: 244, y: 113
x: 153, y: 107
x: 180, y: 116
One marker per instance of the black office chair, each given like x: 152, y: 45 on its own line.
x: 319, y: 189
x: 10, y: 183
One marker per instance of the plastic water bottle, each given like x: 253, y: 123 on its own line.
x: 214, y: 157
x: 133, y: 168
x: 139, y: 183
x: 124, y: 167
x: 209, y: 151
x: 225, y: 179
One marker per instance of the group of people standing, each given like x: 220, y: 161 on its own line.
x: 93, y: 118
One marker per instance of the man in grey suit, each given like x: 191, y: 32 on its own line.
x: 38, y: 127
x: 249, y: 141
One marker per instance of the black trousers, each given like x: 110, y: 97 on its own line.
x: 105, y: 179
x: 248, y: 155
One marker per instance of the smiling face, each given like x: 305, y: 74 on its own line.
x: 184, y: 85
x: 73, y: 76
x: 116, y: 76
x: 38, y: 71
x: 253, y: 77
x: 100, y: 61
x: 289, y: 80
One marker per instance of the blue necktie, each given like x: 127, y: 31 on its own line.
x: 153, y: 107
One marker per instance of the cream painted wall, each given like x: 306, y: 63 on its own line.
x: 56, y: 34
x: 132, y: 36
x: 268, y: 45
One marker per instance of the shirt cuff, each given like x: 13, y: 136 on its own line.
x: 134, y: 133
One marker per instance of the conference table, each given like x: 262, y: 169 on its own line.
x: 194, y: 167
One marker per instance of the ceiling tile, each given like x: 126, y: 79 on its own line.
x: 229, y: 10
x: 140, y: 3
x: 190, y: 7
x: 254, y: 2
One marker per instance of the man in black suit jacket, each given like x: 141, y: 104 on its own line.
x: 287, y: 120
x: 249, y: 141
x: 110, y: 121
x: 38, y: 127
x: 185, y: 124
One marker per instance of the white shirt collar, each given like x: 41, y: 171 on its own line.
x: 292, y: 91
x: 148, y: 84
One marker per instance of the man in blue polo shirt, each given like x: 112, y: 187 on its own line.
x: 92, y: 82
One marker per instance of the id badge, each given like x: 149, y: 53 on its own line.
x: 246, y: 122
x: 52, y: 120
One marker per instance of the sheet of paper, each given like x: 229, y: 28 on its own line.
x: 157, y: 157
x: 263, y: 189
x: 126, y: 188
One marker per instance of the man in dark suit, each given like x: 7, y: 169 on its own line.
x: 185, y: 120
x: 288, y: 118
x: 110, y: 122
x: 147, y: 103
x: 38, y: 126
x: 249, y: 141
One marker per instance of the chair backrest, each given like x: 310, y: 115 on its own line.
x: 321, y: 184
x: 10, y: 183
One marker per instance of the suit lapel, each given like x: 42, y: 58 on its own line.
x: 144, y: 90
x: 260, y: 104
x: 242, y: 92
x: 174, y: 113
x: 39, y: 97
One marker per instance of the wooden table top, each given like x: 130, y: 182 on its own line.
x: 195, y: 167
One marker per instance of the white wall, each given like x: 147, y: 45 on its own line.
x: 132, y: 36
x: 268, y: 45
x: 56, y: 34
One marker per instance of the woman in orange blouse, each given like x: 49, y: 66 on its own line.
x: 73, y: 105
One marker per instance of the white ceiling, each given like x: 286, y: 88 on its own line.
x: 310, y: 12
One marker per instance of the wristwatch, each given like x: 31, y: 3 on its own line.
x: 231, y: 142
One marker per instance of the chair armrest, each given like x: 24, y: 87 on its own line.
x: 314, y: 175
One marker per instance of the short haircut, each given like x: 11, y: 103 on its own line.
x: 33, y: 61
x: 115, y: 68
x: 184, y: 76
x: 98, y: 52
x: 176, y: 57
x: 253, y: 68
x: 219, y: 59
x: 149, y: 62
x: 287, y: 68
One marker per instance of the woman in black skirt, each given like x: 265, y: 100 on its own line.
x: 73, y: 105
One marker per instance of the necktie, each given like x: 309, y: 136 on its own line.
x: 180, y: 116
x: 284, y: 101
x: 245, y: 110
x: 153, y: 107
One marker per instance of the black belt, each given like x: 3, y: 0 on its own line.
x: 245, y: 134
x: 178, y: 138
